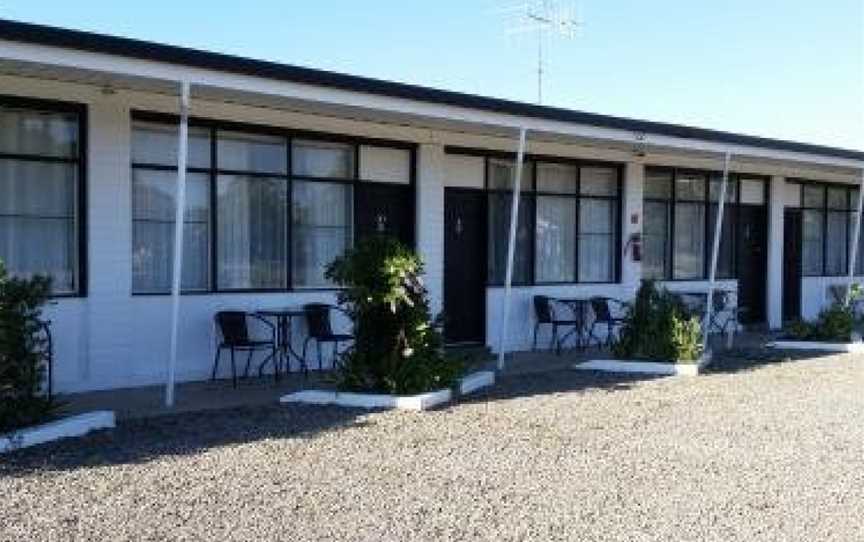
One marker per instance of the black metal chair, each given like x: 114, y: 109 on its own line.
x: 47, y: 351
x: 321, y: 330
x: 603, y: 315
x: 233, y: 326
x: 724, y: 314
x: 545, y: 314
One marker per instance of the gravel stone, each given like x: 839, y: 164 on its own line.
x: 749, y: 453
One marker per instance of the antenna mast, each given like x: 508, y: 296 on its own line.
x: 542, y: 16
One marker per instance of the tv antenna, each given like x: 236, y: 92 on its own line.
x: 544, y: 17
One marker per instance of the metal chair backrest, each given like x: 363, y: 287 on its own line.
x: 600, y: 306
x: 543, y: 309
x: 233, y: 327
x: 318, y: 319
x: 720, y: 300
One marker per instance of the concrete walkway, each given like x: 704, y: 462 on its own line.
x: 148, y: 401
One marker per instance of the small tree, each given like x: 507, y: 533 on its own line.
x: 22, y: 368
x: 657, y: 326
x: 397, y: 347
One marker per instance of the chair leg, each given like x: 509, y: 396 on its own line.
x: 555, y: 345
x: 534, y: 342
x: 216, y: 362
x: 233, y: 370
x: 320, y: 359
x: 248, y: 363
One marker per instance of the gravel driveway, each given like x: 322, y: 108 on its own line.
x: 772, y: 453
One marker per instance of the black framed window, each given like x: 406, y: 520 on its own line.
x: 322, y: 196
x: 267, y: 209
x: 828, y: 217
x: 154, y: 192
x: 42, y: 167
x: 680, y: 209
x: 569, y: 226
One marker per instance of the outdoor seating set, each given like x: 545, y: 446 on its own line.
x: 235, y: 331
x: 582, y: 316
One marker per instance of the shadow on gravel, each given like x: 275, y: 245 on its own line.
x: 751, y: 359
x: 143, y: 440
x: 558, y: 381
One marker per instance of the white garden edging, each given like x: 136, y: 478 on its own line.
x: 641, y: 367
x: 73, y: 426
x: 423, y: 401
x: 856, y: 347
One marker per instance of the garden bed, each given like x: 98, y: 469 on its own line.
x: 643, y: 367
x: 422, y: 401
x: 73, y: 426
x: 824, y: 346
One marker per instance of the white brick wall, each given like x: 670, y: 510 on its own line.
x: 113, y: 339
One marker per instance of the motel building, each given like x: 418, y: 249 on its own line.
x: 288, y: 166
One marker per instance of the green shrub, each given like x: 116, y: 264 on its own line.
x: 397, y: 346
x: 22, y: 371
x: 657, y: 326
x: 833, y: 324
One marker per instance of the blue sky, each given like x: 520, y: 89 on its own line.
x: 790, y: 69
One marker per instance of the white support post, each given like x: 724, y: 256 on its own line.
x: 712, y: 273
x: 856, y: 235
x: 182, y: 150
x: 511, y: 246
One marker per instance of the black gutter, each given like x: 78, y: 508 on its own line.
x: 145, y: 50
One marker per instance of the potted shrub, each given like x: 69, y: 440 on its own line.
x: 398, y: 348
x: 658, y: 327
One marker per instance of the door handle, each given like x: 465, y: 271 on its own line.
x: 459, y: 227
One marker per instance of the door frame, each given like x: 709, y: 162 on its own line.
x: 483, y: 259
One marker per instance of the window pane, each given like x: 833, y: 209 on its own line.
x: 37, y: 188
x: 859, y: 257
x: 689, y: 241
x: 836, y: 243
x: 153, y: 205
x: 555, y: 258
x: 812, y: 243
x: 40, y: 246
x: 655, y: 240
x: 240, y: 151
x: 322, y: 229
x: 499, y: 231
x: 658, y: 184
x: 385, y: 165
x: 24, y: 131
x: 726, y: 255
x: 501, y: 175
x: 598, y: 181
x: 37, y: 220
x: 753, y: 191
x: 596, y: 240
x: 322, y: 159
x: 812, y: 196
x: 690, y: 187
x: 552, y: 177
x: 716, y: 185
x: 251, y: 231
x: 157, y: 144
x: 837, y: 198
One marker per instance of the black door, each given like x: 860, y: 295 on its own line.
x: 791, y: 265
x: 751, y: 255
x: 464, y: 266
x: 384, y: 209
